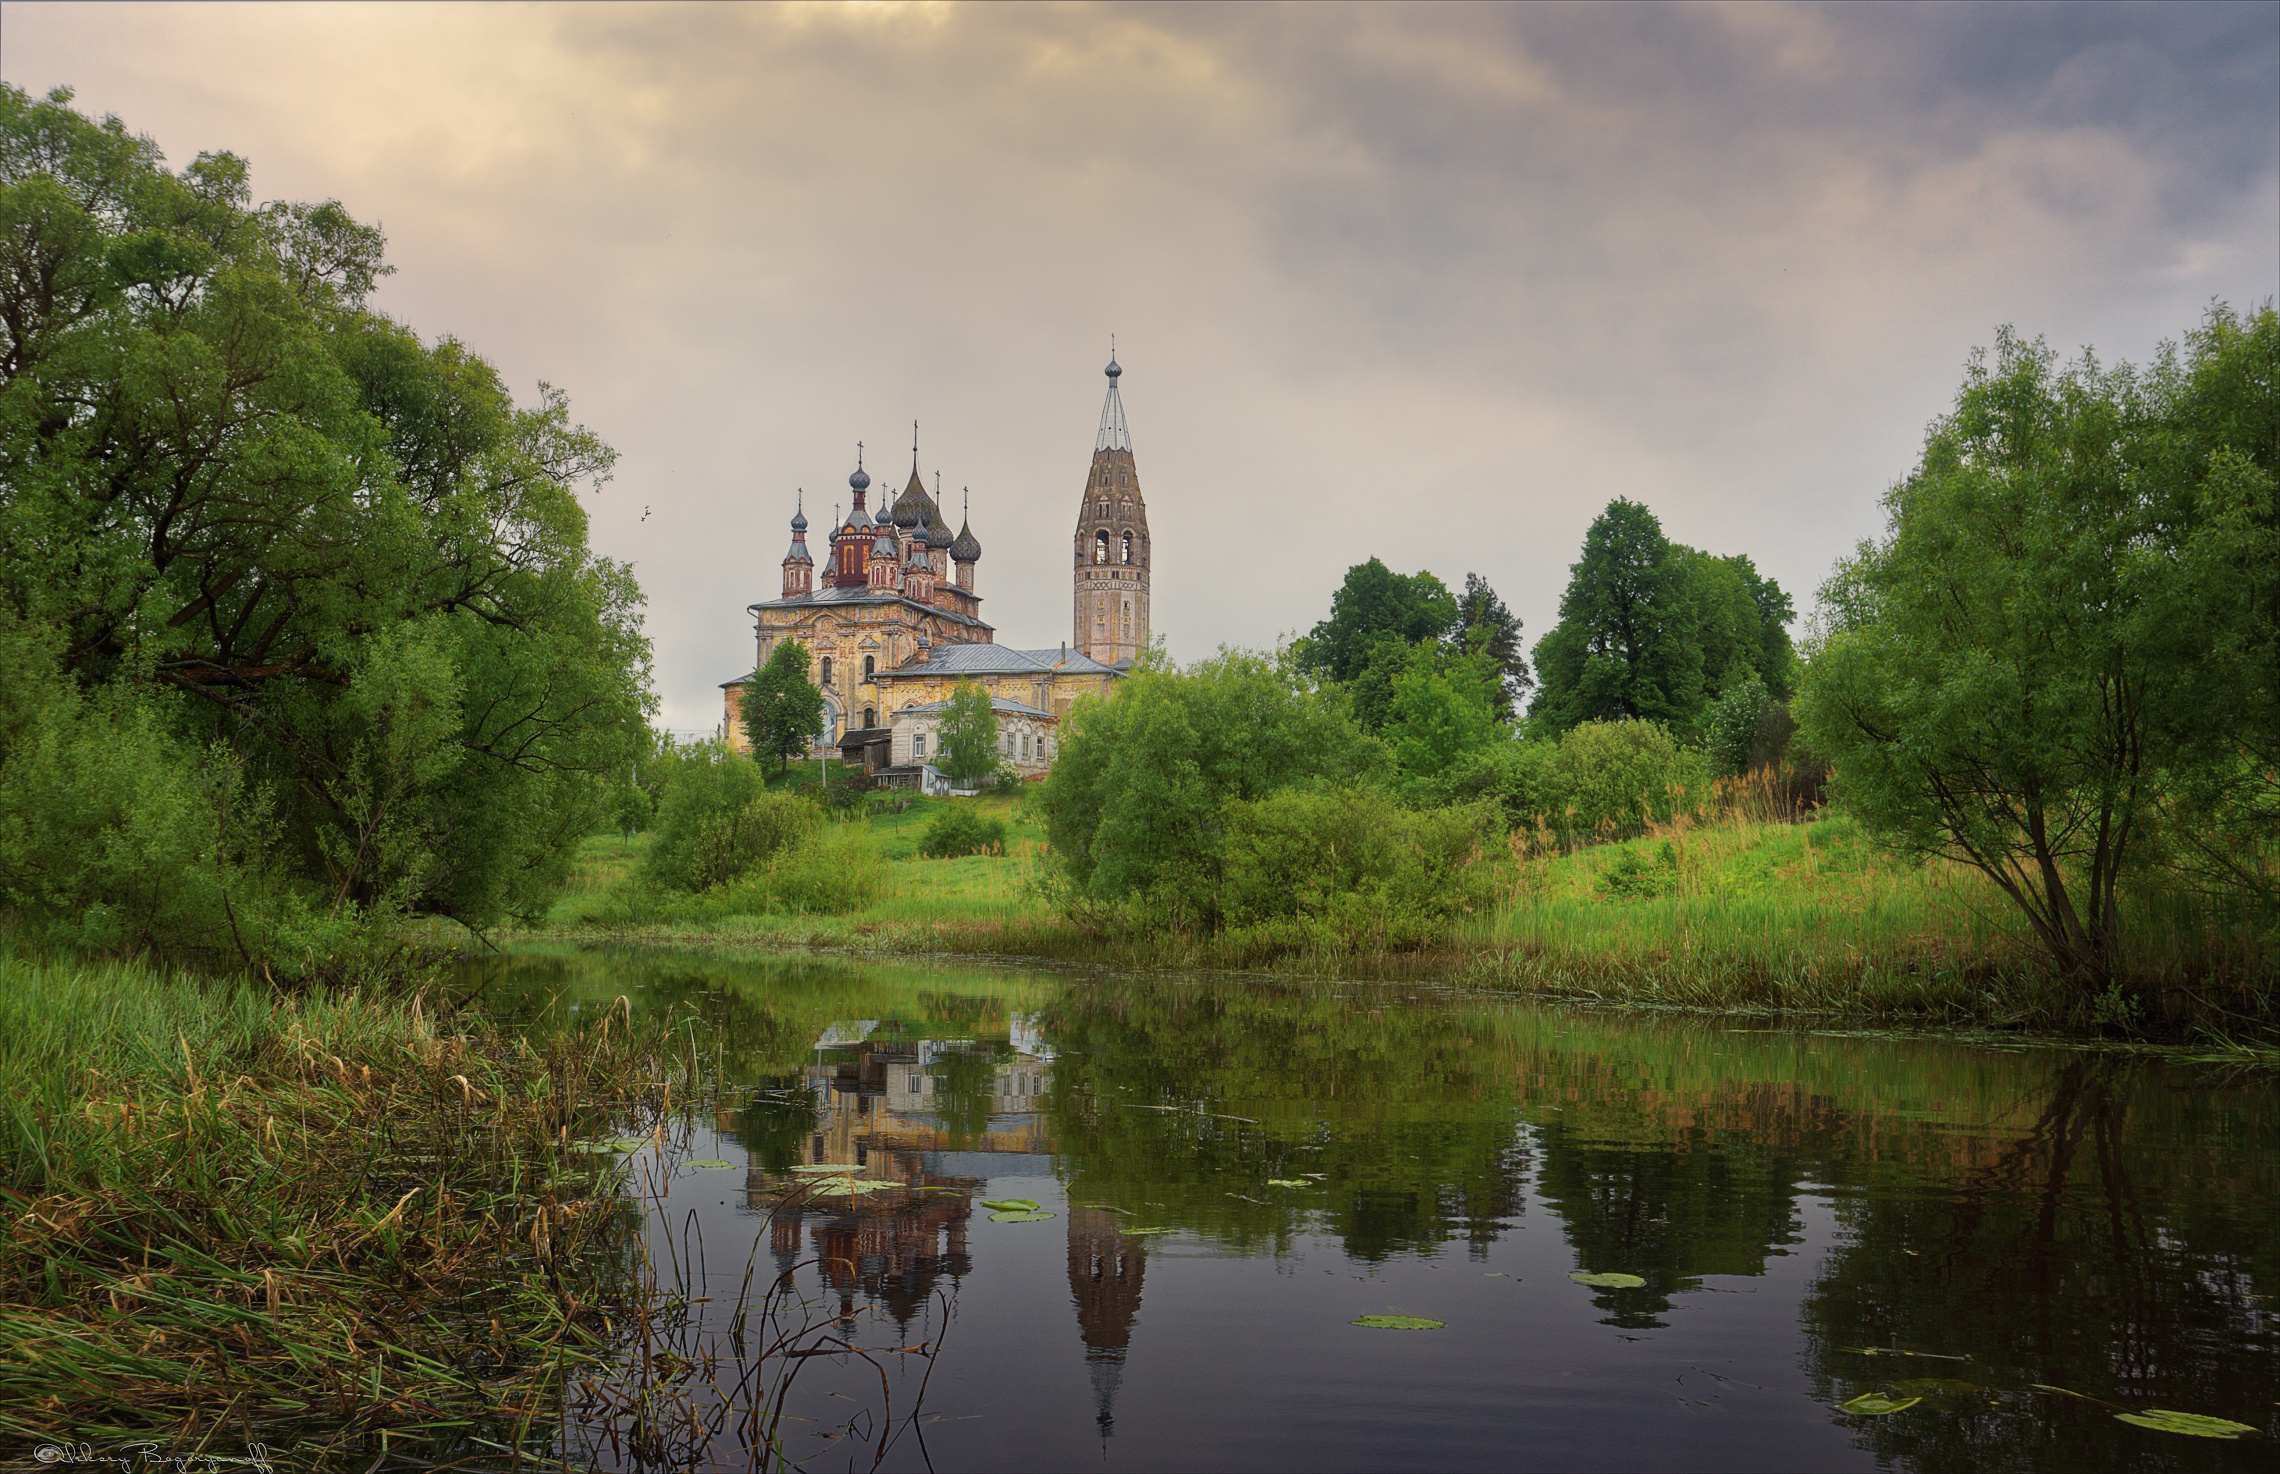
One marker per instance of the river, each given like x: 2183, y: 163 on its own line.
x: 2027, y: 1240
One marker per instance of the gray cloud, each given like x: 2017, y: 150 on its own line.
x: 1432, y: 283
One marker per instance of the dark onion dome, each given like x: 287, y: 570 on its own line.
x: 938, y: 533
x: 911, y: 507
x: 1113, y: 370
x: 968, y: 548
x: 882, y: 518
x: 799, y: 519
x: 861, y: 480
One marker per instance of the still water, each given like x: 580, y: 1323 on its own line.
x: 2029, y: 1240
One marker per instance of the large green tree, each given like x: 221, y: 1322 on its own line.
x: 1651, y: 629
x: 2038, y: 649
x: 1373, y: 607
x: 781, y: 708
x: 332, y: 577
x: 969, y: 736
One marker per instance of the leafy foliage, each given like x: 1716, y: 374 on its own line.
x: 959, y: 830
x: 1136, y: 802
x: 1485, y: 628
x: 329, y: 584
x: 969, y: 736
x: 781, y: 708
x: 2068, y: 623
x: 1651, y: 629
x: 719, y: 822
x: 1372, y: 607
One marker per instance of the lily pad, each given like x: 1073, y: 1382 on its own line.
x: 2192, y: 1425
x: 1399, y: 1323
x: 624, y: 1144
x: 1011, y: 1205
x: 1609, y: 1281
x: 1021, y: 1215
x: 715, y: 1162
x: 1877, y: 1405
x: 835, y: 1169
x: 848, y: 1187
x: 1288, y: 1182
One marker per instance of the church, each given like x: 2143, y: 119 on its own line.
x: 892, y: 616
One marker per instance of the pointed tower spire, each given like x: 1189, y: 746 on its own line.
x: 1113, y: 435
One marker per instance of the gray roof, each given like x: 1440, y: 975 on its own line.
x: 997, y: 703
x: 865, y: 596
x: 1000, y: 660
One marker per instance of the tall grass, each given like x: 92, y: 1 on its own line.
x: 240, y: 1217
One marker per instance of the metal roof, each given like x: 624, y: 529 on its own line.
x: 997, y: 703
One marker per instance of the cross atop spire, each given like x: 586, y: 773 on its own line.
x: 914, y: 447
x: 1113, y: 435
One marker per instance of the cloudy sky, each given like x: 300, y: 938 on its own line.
x: 1427, y: 283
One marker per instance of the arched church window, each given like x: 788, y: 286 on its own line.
x: 1128, y: 547
x: 870, y: 666
x: 1100, y: 547
x: 870, y: 716
x: 827, y: 670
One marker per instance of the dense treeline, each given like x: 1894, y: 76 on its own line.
x: 298, y: 623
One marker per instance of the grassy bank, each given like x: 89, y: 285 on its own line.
x: 1739, y: 914
x: 322, y: 1224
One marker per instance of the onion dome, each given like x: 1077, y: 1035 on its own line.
x: 861, y: 480
x: 882, y: 518
x: 967, y: 548
x: 938, y: 533
x: 799, y: 514
x: 911, y: 506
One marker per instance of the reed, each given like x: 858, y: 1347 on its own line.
x: 328, y: 1223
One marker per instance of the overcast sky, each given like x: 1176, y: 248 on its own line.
x: 1431, y: 284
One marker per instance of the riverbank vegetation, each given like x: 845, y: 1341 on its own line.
x: 239, y: 1217
x: 300, y: 637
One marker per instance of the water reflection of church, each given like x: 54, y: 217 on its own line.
x: 940, y: 1117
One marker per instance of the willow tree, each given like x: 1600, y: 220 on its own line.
x: 272, y: 566
x: 2067, y: 625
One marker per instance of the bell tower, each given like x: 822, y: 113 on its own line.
x: 1112, y: 555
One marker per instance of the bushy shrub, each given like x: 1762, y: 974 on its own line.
x: 961, y: 830
x: 719, y: 821
x: 1353, y: 860
x: 831, y: 871
x: 1747, y: 730
x: 1520, y: 778
x: 1006, y: 782
x: 1135, y: 800
x: 1617, y: 777
x: 1634, y: 876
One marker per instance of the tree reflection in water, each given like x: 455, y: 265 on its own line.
x: 2096, y: 1222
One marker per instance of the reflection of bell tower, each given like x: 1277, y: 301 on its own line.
x: 1105, y: 1265
x: 1112, y: 544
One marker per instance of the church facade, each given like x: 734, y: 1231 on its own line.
x: 892, y: 620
